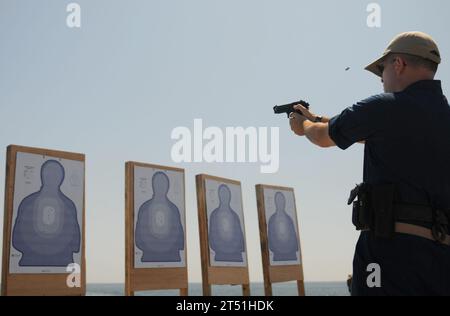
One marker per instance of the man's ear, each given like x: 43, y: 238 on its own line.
x: 399, y: 65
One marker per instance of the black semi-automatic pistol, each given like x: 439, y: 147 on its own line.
x: 289, y: 108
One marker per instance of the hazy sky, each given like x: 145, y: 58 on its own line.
x: 115, y: 88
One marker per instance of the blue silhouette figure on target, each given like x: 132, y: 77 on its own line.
x: 159, y: 232
x: 283, y: 240
x: 46, y: 229
x: 225, y: 233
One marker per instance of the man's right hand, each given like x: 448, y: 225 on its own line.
x: 305, y: 112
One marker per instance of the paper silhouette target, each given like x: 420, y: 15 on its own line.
x: 282, y: 228
x: 226, y: 232
x: 47, y: 214
x: 159, y: 218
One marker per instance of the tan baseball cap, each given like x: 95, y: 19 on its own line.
x: 411, y: 43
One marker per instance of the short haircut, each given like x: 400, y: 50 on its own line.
x: 419, y: 62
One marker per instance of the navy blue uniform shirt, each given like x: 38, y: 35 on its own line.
x: 407, y: 142
x: 407, y: 137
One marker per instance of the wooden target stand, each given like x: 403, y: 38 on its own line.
x: 36, y: 284
x: 216, y: 274
x: 274, y: 274
x: 144, y: 279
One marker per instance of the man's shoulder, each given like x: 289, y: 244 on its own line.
x: 378, y: 103
x: 382, y: 98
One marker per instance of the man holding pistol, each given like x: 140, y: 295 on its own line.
x: 403, y: 206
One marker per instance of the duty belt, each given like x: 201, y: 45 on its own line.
x: 423, y: 214
x: 438, y: 219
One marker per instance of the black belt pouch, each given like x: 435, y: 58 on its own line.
x: 383, y: 208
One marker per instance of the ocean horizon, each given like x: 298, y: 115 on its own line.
x: 256, y: 289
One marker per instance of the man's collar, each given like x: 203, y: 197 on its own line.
x: 425, y: 85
